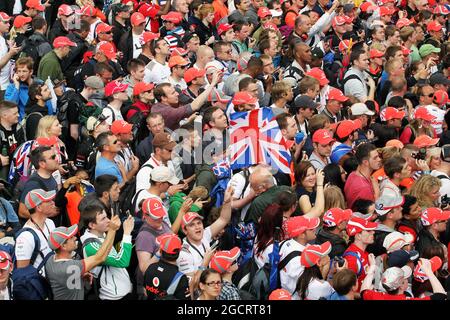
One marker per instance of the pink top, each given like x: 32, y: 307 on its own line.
x: 357, y: 187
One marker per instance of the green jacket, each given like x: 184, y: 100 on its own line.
x: 261, y: 202
x: 50, y: 67
x: 176, y: 201
x: 205, y: 177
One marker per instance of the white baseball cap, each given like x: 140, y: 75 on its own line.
x: 359, y: 109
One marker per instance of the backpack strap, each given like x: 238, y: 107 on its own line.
x: 284, y: 262
x: 134, y: 201
x: 174, y: 284
x: 350, y: 77
x: 442, y: 176
x: 112, y: 113
x: 355, y: 255
x: 44, y: 261
x: 37, y: 243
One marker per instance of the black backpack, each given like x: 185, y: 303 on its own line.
x: 138, y: 120
x: 63, y: 106
x: 128, y: 196
x: 172, y: 288
x: 30, y: 49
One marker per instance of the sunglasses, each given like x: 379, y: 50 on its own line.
x: 170, y: 150
x: 115, y: 142
x: 430, y: 95
x: 109, y: 32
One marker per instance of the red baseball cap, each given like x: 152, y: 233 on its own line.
x: 419, y: 275
x: 270, y: 25
x: 5, y: 261
x: 141, y: 87
x: 392, y: 113
x: 403, y: 22
x: 223, y: 260
x: 356, y: 225
x: 193, y: 73
x: 366, y: 6
x: 433, y: 215
x: 65, y: 10
x: 441, y: 9
x: 264, y: 12
x: 63, y: 41
x: 348, y: 19
x: 149, y: 10
x: 121, y: 126
x: 137, y: 18
x: 440, y: 97
x: 103, y: 27
x: 338, y: 21
x: 153, y: 208
x: 318, y: 74
x: 243, y: 97
x: 189, y: 217
x: 423, y: 141
x: 424, y: 114
x: 173, y: 16
x: 345, y: 127
x: 376, y: 54
x: 405, y: 51
x: 386, y: 11
x: 335, y: 216
x: 87, y: 10
x: 323, y: 136
x: 4, y: 17
x: 177, y: 61
x: 224, y: 27
x: 336, y: 94
x: 297, y: 225
x: 148, y: 36
x: 114, y: 87
x: 169, y: 243
x: 20, y: 21
x: 107, y: 49
x: 280, y: 294
x: 35, y: 4
x: 178, y: 51
x: 313, y: 253
x: 434, y: 26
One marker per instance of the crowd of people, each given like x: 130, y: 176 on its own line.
x: 224, y: 149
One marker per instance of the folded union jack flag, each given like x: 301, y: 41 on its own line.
x: 255, y: 137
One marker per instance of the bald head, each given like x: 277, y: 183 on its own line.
x: 261, y: 179
x: 204, y: 55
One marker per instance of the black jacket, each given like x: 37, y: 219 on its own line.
x: 338, y: 244
x: 119, y: 30
x: 57, y: 31
x: 126, y: 46
x: 426, y: 239
x: 206, y: 32
x: 34, y: 113
x: 7, y: 6
x: 70, y: 63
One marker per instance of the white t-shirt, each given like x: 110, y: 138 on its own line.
x: 92, y: 33
x: 293, y: 270
x: 263, y: 257
x: 191, y: 256
x: 17, y: 7
x: 108, y: 112
x: 137, y: 46
x: 156, y: 73
x: 318, y: 289
x: 4, y: 294
x: 180, y: 84
x: 6, y: 70
x: 144, y: 194
x: 25, y: 243
x: 143, y: 176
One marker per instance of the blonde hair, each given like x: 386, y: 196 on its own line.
x: 334, y: 198
x: 44, y: 126
x: 388, y: 152
x: 433, y: 152
x: 422, y: 187
x: 204, y: 10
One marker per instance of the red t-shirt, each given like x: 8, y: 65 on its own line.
x: 358, y: 187
x: 358, y: 266
x: 375, y: 295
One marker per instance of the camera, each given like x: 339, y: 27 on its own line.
x: 339, y: 261
x: 420, y: 155
x: 445, y: 201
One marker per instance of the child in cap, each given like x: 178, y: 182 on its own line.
x: 312, y: 284
x: 225, y: 262
x: 334, y: 225
x: 163, y: 280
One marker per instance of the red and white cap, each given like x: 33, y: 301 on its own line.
x: 356, y: 225
x: 318, y: 74
x: 390, y: 113
x: 424, y: 141
x: 419, y: 275
x: 153, y: 207
x: 386, y: 11
x: 345, y: 127
x: 374, y: 53
x: 63, y: 41
x: 441, y: 9
x: 148, y: 36
x: 178, y: 51
x: 4, y: 17
x: 433, y: 215
x: 169, y: 243
x: 87, y: 10
x: 137, y: 18
x: 423, y: 113
x: 313, y: 253
x: 243, y: 97
x: 38, y: 196
x: 280, y: 294
x: 35, y: 4
x: 223, y: 260
x: 403, y: 22
x: 193, y: 73
x: 141, y: 87
x: 107, y: 49
x: 323, y: 137
x: 173, y: 16
x: 65, y: 10
x: 338, y: 21
x: 440, y: 98
x: 6, y: 262
x: 224, y: 27
x: 121, y: 127
x: 103, y: 27
x: 336, y: 94
x: 396, y: 240
x: 367, y: 6
x: 295, y: 226
x: 20, y: 21
x: 264, y: 12
x: 189, y: 217
x: 270, y: 26
x: 434, y: 26
x: 335, y: 216
x: 114, y: 87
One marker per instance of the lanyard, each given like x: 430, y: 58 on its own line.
x: 195, y: 248
x: 39, y: 228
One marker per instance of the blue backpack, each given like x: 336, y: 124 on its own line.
x: 28, y: 283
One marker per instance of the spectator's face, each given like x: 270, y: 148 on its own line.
x: 70, y: 244
x: 24, y: 73
x: 434, y: 194
x: 113, y: 144
x: 324, y: 150
x: 193, y: 44
x: 229, y: 36
x: 313, y: 16
x: 164, y: 48
x: 245, y: 5
x: 4, y: 278
x: 420, y: 35
x: 307, y: 113
x: 304, y: 54
x: 291, y: 129
x: 379, y: 35
x: 396, y: 214
x: 310, y: 179
x: 305, y: 26
x: 244, y: 33
x: 406, y: 171
x: 125, y: 14
x: 194, y: 230
x: 224, y: 53
x: 252, y: 88
x: 427, y: 95
x: 435, y: 162
x: 138, y: 74
x: 171, y: 95
x: 50, y: 161
x: 310, y: 234
x: 55, y: 129
x: 11, y: 116
x: 313, y: 92
x: 210, y: 17
x: 105, y: 36
x: 101, y: 222
x: 220, y: 120
x: 155, y: 125
x: 121, y: 96
x: 334, y: 106
x: 362, y: 62
x: 374, y: 160
x: 258, y: 3
x: 367, y: 237
x: 182, y: 6
x: 114, y: 192
x: 414, y: 211
x: 4, y: 26
x: 273, y: 50
x: 45, y: 93
x: 106, y: 77
x: 266, y: 19
x: 441, y: 226
x: 102, y: 127
x: 212, y: 286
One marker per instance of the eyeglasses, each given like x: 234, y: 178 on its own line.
x: 53, y: 157
x: 109, y: 32
x: 430, y: 95
x: 214, y: 284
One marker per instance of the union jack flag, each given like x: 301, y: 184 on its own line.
x: 222, y: 168
x: 255, y: 137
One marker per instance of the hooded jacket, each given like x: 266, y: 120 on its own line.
x: 338, y: 244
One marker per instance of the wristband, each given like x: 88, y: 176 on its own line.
x: 202, y: 268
